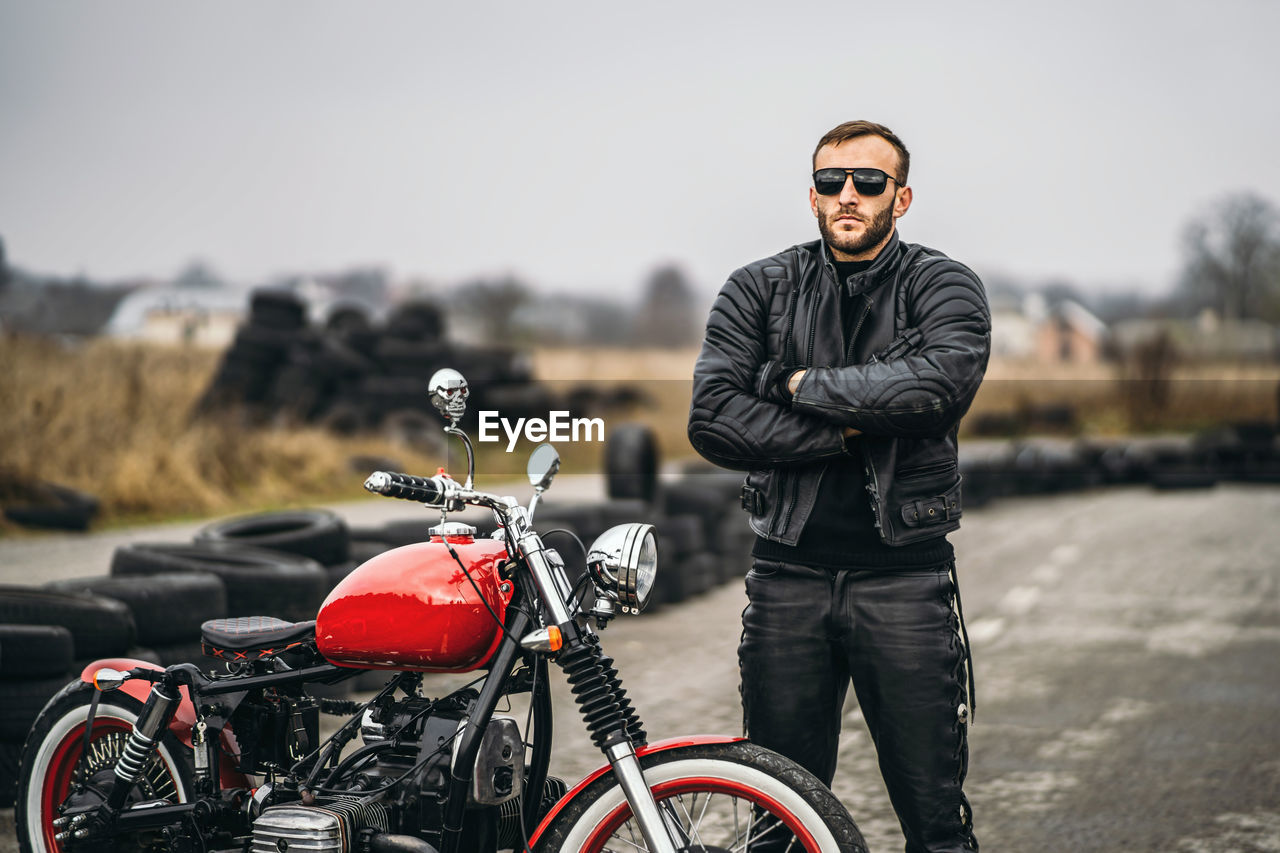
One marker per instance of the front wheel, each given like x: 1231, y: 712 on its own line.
x: 55, y: 770
x: 714, y: 797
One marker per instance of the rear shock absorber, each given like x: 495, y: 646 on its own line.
x: 605, y: 707
x: 142, y: 743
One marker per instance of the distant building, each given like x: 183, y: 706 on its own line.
x: 200, y: 316
x: 1070, y: 334
x: 1013, y: 325
x: 1027, y: 328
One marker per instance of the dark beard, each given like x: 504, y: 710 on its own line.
x: 877, y: 230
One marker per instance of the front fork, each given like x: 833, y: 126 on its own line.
x: 626, y: 766
x: 614, y: 726
x: 616, y: 730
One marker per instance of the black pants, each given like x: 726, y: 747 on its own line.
x: 808, y: 631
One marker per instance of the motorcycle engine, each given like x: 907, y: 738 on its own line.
x: 328, y: 828
x: 424, y: 735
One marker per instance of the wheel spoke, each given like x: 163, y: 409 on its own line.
x: 691, y: 828
x: 707, y: 802
x: 741, y: 843
x: 628, y: 843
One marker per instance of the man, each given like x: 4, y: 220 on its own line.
x: 836, y: 373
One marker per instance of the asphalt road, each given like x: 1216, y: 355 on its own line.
x: 1127, y: 650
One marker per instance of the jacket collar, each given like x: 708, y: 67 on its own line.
x: 869, y: 278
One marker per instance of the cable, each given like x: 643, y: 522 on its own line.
x: 567, y: 532
x: 483, y: 600
x: 387, y: 786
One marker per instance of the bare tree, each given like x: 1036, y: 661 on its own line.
x: 1233, y: 258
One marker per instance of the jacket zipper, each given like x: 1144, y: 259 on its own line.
x: 857, y: 327
x: 808, y: 362
x: 788, y: 346
x: 813, y: 328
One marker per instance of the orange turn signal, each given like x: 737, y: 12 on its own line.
x: 547, y: 639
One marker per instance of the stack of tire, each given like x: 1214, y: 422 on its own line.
x: 47, y: 637
x: 350, y: 376
x: 1246, y: 452
x: 703, y: 540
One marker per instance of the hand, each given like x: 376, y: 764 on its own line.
x: 794, y: 382
x: 850, y: 432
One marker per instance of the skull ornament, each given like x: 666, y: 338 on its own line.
x: 449, y: 393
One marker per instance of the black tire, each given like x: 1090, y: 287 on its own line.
x: 685, y: 534
x: 738, y: 774
x: 35, y: 650
x: 692, y: 498
x: 735, y: 540
x: 416, y: 321
x: 99, y: 626
x: 411, y: 358
x: 337, y: 574
x: 277, y: 309
x: 298, y: 393
x: 53, y: 748
x: 55, y: 508
x: 167, y: 608
x: 190, y: 651
x: 631, y: 462
x: 262, y: 347
x: 703, y: 571
x: 315, y: 533
x: 671, y: 585
x: 363, y: 550
x: 345, y: 418
x: 411, y: 531
x: 21, y: 701
x: 347, y: 320
x: 583, y: 519
x: 258, y: 582
x: 10, y: 754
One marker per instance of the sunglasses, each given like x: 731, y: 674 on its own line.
x: 865, y: 181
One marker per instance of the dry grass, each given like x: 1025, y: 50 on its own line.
x: 113, y: 419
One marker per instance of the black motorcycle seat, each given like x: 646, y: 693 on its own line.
x: 253, y: 637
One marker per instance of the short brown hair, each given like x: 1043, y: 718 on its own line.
x: 854, y: 129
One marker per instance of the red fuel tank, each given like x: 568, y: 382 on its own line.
x: 413, y: 608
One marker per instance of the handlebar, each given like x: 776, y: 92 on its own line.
x: 445, y: 493
x: 405, y: 486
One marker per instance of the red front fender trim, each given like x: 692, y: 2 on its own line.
x: 659, y: 746
x: 184, y: 718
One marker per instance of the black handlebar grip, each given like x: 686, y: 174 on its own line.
x: 405, y: 486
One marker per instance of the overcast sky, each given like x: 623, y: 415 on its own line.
x: 581, y: 143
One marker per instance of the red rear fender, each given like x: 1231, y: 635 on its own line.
x: 184, y: 718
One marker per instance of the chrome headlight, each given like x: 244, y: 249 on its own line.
x: 624, y: 562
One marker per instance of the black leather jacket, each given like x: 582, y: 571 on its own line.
x: 903, y: 370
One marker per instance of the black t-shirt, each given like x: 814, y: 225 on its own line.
x: 841, y: 531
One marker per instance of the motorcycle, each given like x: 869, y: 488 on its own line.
x: 133, y: 756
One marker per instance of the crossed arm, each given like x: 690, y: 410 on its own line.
x: 738, y: 421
